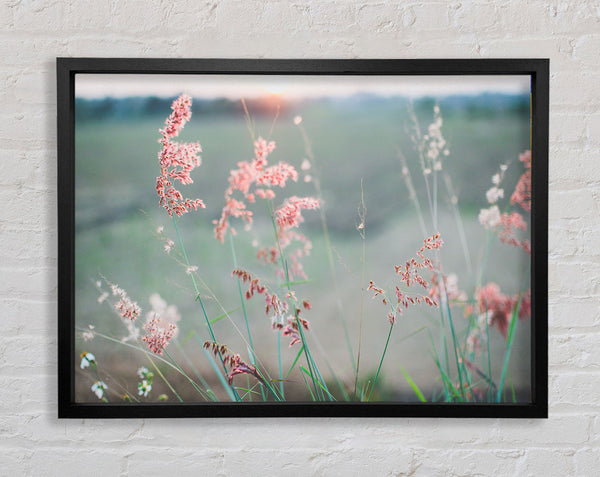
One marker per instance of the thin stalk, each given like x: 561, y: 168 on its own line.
x: 459, y: 222
x: 280, y: 365
x: 412, y: 193
x: 509, y: 344
x: 317, y: 183
x: 163, y: 378
x: 437, y: 361
x: 192, y: 382
x: 253, y: 361
x: 363, y: 232
x: 191, y: 364
x: 235, y: 265
x: 199, y: 298
x: 228, y: 388
x: 287, y: 277
x: 387, y: 342
x: 489, y: 358
x: 456, y: 348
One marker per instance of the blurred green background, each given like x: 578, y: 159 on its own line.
x: 353, y: 139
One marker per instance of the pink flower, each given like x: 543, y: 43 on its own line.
x: 291, y: 329
x: 253, y: 173
x: 166, y: 314
x: 181, y: 114
x: 177, y: 160
x: 410, y: 275
x: 233, y: 208
x: 126, y: 307
x: 450, y: 289
x: 522, y: 193
x: 233, y: 361
x: 278, y: 175
x: 507, y: 233
x: 499, y: 307
x: 297, y: 120
x: 157, y: 335
x: 410, y: 272
x: 290, y: 213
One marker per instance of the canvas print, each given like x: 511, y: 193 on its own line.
x: 272, y: 238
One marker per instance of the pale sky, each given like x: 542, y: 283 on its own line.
x: 293, y: 87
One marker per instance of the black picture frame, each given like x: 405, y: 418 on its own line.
x: 67, y: 68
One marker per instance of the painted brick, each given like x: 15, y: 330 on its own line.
x: 33, y: 34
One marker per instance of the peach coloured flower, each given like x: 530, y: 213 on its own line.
x: 256, y: 173
x: 157, y: 335
x: 126, y: 307
x: 522, y: 193
x: 177, y: 160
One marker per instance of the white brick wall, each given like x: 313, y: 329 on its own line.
x: 33, y: 442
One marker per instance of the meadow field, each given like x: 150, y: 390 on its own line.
x: 358, y: 146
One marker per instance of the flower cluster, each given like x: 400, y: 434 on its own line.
x: 275, y: 307
x: 87, y: 359
x: 505, y: 225
x: 164, y: 313
x: 126, y: 307
x: 255, y: 173
x: 432, y: 146
x: 288, y: 217
x: 291, y: 329
x: 410, y: 274
x: 446, y: 286
x: 145, y: 385
x: 522, y: 193
x: 177, y: 160
x: 98, y: 388
x: 498, y: 308
x: 290, y: 213
x: 233, y: 361
x: 158, y: 335
x: 273, y: 304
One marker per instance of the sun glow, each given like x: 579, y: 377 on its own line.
x: 275, y: 88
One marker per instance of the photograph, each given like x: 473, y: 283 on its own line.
x: 265, y: 238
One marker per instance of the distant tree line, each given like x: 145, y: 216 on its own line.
x: 137, y: 107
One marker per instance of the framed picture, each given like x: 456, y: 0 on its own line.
x: 302, y: 237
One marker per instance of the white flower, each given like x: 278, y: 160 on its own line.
x: 308, y: 178
x: 489, y: 218
x: 496, y: 179
x: 297, y: 120
x: 144, y: 388
x: 159, y: 229
x: 142, y: 372
x: 132, y: 330
x: 494, y: 194
x: 191, y: 269
x: 88, y: 335
x: 87, y: 359
x: 503, y: 167
x: 102, y: 297
x: 305, y: 166
x: 169, y: 244
x: 98, y: 388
